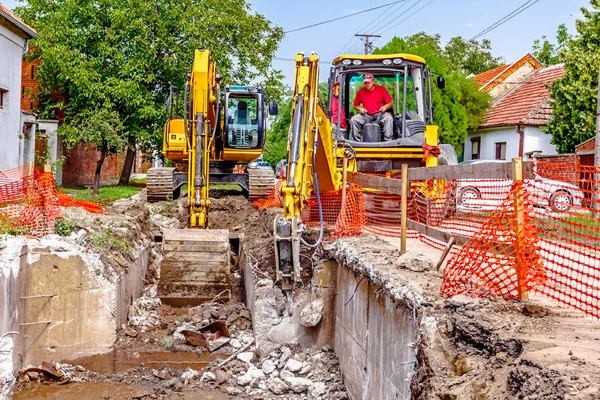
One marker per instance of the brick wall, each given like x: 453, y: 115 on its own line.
x: 588, y: 145
x: 29, y: 85
x: 80, y: 165
x: 561, y: 167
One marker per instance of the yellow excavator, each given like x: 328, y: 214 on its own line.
x: 321, y: 139
x: 195, y: 264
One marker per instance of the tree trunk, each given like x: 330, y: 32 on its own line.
x: 103, y: 152
x: 127, y: 166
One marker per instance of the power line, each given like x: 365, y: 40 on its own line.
x: 364, y: 28
x: 382, y: 24
x: 345, y: 16
x: 506, y: 18
x: 401, y: 21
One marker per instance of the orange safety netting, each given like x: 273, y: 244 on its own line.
x: 30, y: 202
x: 540, y: 235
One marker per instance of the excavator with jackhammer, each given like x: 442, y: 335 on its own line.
x: 323, y: 143
x: 195, y: 265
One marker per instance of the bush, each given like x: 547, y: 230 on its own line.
x: 64, y: 227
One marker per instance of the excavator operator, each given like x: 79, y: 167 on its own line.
x: 372, y: 102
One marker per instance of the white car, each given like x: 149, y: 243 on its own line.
x: 557, y: 195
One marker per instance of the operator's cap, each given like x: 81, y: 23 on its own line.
x: 368, y: 78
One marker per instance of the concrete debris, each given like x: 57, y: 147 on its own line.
x: 277, y: 386
x: 268, y: 367
x: 416, y: 262
x: 191, y: 374
x: 312, y: 313
x: 178, y: 334
x: 143, y: 313
x: 293, y: 365
x: 246, y: 357
x: 299, y: 385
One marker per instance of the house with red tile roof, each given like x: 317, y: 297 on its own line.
x: 512, y: 125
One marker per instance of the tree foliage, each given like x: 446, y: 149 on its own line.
x: 549, y: 53
x: 574, y: 96
x: 114, y: 61
x: 461, y: 106
x: 470, y: 57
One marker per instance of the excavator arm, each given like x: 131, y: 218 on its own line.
x: 311, y: 167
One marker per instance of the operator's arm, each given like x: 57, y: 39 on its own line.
x: 357, y: 104
x: 388, y: 100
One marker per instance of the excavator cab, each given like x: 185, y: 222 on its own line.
x: 407, y: 79
x: 244, y: 123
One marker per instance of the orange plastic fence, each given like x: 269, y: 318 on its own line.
x: 540, y: 235
x: 30, y: 202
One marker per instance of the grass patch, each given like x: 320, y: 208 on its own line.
x: 578, y: 228
x: 226, y: 186
x: 106, y: 194
x: 105, y: 240
x: 9, y: 226
x: 137, y: 180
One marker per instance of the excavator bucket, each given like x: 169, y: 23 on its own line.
x: 195, y: 266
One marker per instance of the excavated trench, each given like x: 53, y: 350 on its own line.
x: 381, y: 329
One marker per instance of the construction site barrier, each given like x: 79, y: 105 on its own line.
x: 517, y: 227
x: 30, y: 202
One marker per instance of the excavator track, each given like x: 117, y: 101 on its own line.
x: 195, y: 266
x: 159, y: 184
x: 261, y: 182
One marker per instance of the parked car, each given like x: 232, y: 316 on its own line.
x: 258, y: 163
x: 557, y: 195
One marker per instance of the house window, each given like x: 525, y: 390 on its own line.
x: 3, y: 97
x: 32, y: 69
x: 501, y: 151
x: 475, y: 148
x: 23, y: 92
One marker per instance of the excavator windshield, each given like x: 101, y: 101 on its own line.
x: 406, y: 83
x: 244, y: 119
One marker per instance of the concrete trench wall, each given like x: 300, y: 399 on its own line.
x: 64, y: 304
x: 374, y: 340
x: 373, y: 336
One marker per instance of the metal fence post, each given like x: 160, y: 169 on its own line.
x: 403, y: 206
x: 519, y: 224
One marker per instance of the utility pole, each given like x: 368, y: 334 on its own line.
x: 368, y: 43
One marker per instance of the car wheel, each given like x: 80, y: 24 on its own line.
x: 468, y: 193
x: 561, y: 201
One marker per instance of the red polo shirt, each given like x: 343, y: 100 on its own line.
x: 372, y: 100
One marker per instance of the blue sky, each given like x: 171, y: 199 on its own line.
x: 449, y: 18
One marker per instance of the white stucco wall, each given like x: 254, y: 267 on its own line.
x: 14, y: 151
x: 489, y: 138
x: 54, y: 146
x: 536, y: 140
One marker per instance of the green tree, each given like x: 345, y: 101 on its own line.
x: 277, y: 136
x: 461, y: 106
x: 114, y: 61
x: 574, y: 96
x: 470, y: 57
x: 549, y: 53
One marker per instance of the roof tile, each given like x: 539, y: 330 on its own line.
x: 527, y: 103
